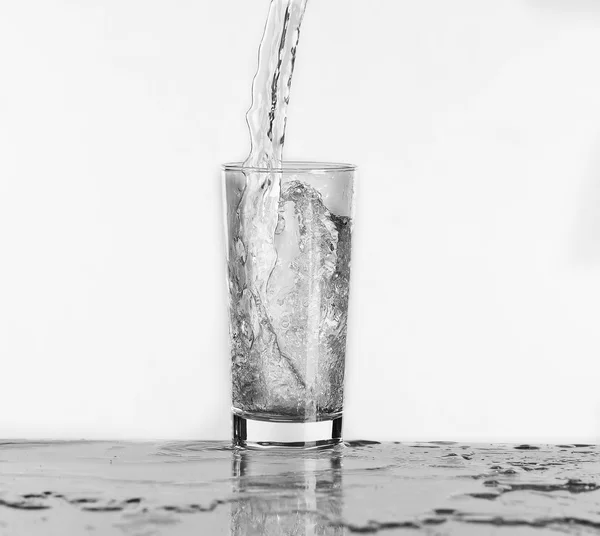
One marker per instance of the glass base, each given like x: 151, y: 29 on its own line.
x: 261, y: 434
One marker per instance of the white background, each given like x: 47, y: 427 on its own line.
x: 476, y: 283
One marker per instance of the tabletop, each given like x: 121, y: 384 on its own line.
x: 205, y: 487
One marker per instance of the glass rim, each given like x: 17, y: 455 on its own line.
x: 292, y: 166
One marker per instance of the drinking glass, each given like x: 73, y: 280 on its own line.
x: 288, y: 236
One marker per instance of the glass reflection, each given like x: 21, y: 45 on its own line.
x: 287, y: 494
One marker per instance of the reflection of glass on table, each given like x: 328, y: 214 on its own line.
x: 276, y: 495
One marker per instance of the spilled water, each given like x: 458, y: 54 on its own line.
x: 205, y: 488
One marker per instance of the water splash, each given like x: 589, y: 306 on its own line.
x: 257, y: 212
x: 276, y: 362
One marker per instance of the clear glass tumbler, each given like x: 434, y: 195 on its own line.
x: 288, y: 232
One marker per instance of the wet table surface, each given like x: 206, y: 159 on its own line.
x: 206, y: 488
